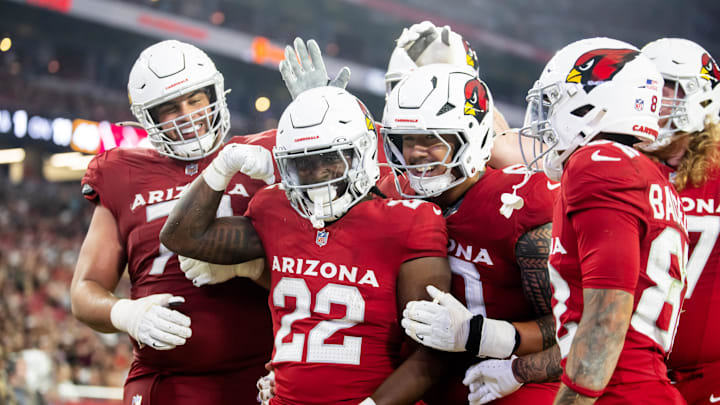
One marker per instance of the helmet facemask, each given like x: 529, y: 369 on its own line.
x: 428, y: 179
x: 180, y: 137
x: 326, y: 198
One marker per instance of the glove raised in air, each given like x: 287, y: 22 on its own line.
x: 426, y: 44
x: 150, y: 322
x: 202, y: 273
x: 303, y: 69
x: 251, y: 160
x: 490, y: 379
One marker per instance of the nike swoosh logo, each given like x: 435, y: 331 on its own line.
x: 596, y: 156
x: 552, y: 186
x: 714, y: 399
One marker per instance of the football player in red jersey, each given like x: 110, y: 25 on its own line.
x: 342, y: 263
x: 189, y: 347
x: 688, y: 146
x: 619, y: 245
x: 438, y: 132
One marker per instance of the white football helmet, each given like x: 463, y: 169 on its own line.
x: 435, y: 100
x: 326, y: 129
x: 591, y: 86
x: 695, y: 76
x: 170, y: 69
x: 442, y: 45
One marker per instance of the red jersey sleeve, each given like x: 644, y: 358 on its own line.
x: 92, y: 180
x: 427, y: 234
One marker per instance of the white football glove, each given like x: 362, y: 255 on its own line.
x: 303, y: 69
x: 150, y: 322
x: 251, y: 160
x: 266, y: 388
x: 445, y: 324
x: 490, y: 380
x: 426, y: 44
x: 201, y: 273
x: 442, y: 324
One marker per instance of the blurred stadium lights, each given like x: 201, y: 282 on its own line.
x: 5, y: 44
x: 66, y: 166
x: 262, y: 104
x: 53, y: 66
x: 239, y: 45
x: 72, y: 160
x: 14, y: 155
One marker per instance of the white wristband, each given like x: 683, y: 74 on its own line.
x: 497, y: 339
x: 367, y: 401
x: 215, y: 178
x: 119, y: 314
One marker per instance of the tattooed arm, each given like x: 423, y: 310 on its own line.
x: 193, y: 230
x: 538, y: 367
x: 597, y: 343
x: 531, y: 252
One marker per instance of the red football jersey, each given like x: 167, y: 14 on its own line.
x: 481, y: 252
x: 609, y: 175
x: 482, y: 241
x: 230, y: 321
x: 700, y: 320
x: 333, y: 295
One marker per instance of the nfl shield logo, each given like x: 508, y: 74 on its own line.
x: 639, y: 104
x: 322, y: 238
x: 190, y: 170
x: 136, y: 400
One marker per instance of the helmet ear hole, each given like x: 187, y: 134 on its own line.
x: 582, y: 111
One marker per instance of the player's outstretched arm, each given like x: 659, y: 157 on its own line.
x: 192, y: 229
x: 419, y: 371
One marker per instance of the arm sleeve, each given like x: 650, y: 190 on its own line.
x: 608, y: 248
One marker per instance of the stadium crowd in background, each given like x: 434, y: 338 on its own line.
x: 42, y: 345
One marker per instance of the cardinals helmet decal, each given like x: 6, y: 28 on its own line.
x: 369, y: 122
x: 599, y: 65
x: 710, y: 70
x: 470, y: 55
x: 476, y: 99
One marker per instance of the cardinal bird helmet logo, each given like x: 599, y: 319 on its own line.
x: 470, y: 55
x: 710, y: 70
x: 476, y: 99
x: 599, y: 65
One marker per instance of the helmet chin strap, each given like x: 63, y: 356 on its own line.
x: 327, y: 207
x: 195, y: 147
x: 429, y: 186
